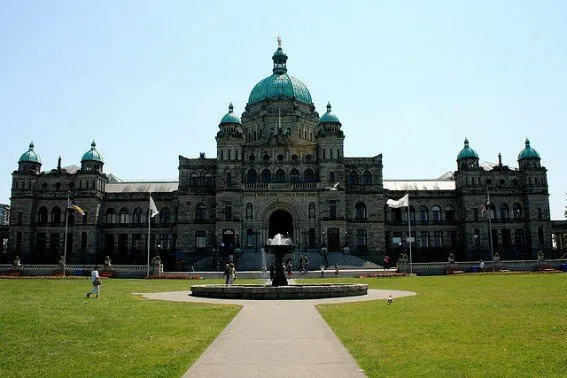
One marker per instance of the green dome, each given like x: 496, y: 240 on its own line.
x: 467, y: 152
x: 30, y: 156
x: 528, y: 152
x: 280, y: 84
x: 329, y: 117
x: 92, y: 154
x: 230, y: 117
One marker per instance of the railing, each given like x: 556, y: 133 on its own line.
x: 435, y: 268
x: 281, y: 186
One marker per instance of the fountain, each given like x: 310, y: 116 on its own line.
x: 279, y: 246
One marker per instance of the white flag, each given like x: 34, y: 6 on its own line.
x: 153, y: 209
x: 404, y: 201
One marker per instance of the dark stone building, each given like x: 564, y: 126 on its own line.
x: 280, y: 168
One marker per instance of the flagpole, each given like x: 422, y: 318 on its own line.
x: 409, y: 237
x: 65, y: 237
x: 149, y: 227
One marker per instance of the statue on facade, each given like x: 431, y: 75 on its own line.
x: 451, y: 258
x: 16, y: 263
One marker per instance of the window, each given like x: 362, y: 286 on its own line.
x: 423, y: 214
x: 436, y: 212
x: 539, y: 213
x: 228, y: 213
x: 294, y: 175
x: 333, y: 209
x: 165, y: 216
x: 21, y: 217
x: 208, y: 180
x: 475, y: 214
x: 266, y: 176
x: 519, y: 236
x: 200, y: 212
x: 424, y: 239
x: 450, y: 214
x: 229, y: 178
x: 83, y: 242
x: 332, y: 177
x: 41, y: 216
x: 438, y: 238
x: 309, y: 176
x: 138, y: 216
x: 251, y: 177
x: 492, y: 211
x: 123, y: 217
x: 194, y: 179
x: 352, y: 178
x: 540, y: 237
x: 280, y: 175
x: 452, y: 236
x: 56, y: 215
x: 366, y: 178
x: 517, y: 208
x: 361, y: 240
x: 504, y: 211
x: 110, y: 216
x: 200, y: 240
x: 360, y: 211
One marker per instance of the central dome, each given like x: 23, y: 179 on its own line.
x: 280, y: 84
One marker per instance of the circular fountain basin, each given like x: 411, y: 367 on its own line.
x: 279, y: 292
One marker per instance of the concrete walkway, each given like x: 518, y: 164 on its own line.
x: 277, y: 338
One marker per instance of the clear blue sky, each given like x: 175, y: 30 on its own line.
x: 150, y: 80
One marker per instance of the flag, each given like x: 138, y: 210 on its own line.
x: 483, y: 207
x: 153, y: 209
x: 75, y: 208
x: 404, y: 201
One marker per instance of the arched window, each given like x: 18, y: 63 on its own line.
x: 294, y: 175
x: 194, y: 179
x: 164, y: 216
x: 123, y: 219
x: 266, y: 176
x: 280, y: 175
x: 208, y: 180
x: 251, y: 177
x: 352, y: 178
x: 56, y: 215
x: 449, y: 214
x: 504, y: 211
x: 42, y: 215
x: 110, y: 216
x: 517, y: 211
x: 366, y: 178
x: 249, y: 211
x: 360, y: 211
x: 200, y: 212
x: 436, y: 213
x: 309, y: 176
x: 423, y: 214
x: 138, y: 216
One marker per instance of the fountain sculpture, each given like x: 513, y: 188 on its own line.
x: 279, y: 247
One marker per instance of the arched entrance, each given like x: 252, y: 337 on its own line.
x: 281, y: 223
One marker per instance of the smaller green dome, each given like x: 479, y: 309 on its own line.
x: 467, y: 152
x: 30, y: 156
x: 329, y: 117
x: 92, y: 154
x: 528, y: 152
x: 230, y: 117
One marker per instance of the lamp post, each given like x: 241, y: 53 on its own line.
x: 489, y: 212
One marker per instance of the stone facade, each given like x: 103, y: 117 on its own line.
x: 281, y: 168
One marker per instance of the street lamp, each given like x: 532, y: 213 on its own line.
x: 489, y: 212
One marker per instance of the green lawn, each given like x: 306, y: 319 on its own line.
x: 466, y: 325
x: 48, y: 328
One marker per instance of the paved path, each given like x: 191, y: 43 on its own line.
x: 276, y: 338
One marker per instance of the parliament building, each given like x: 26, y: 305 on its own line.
x: 280, y: 167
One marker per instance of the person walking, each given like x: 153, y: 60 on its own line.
x: 226, y: 273
x: 95, y: 280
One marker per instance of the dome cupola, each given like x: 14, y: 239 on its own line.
x: 92, y: 160
x: 329, y: 117
x: 528, y: 152
x: 280, y: 84
x: 467, y: 152
x: 230, y: 117
x: 29, y: 161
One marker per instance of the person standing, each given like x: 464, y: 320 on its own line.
x: 481, y: 265
x: 226, y: 273
x: 231, y: 273
x: 95, y: 280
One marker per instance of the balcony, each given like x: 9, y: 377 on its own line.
x: 280, y: 186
